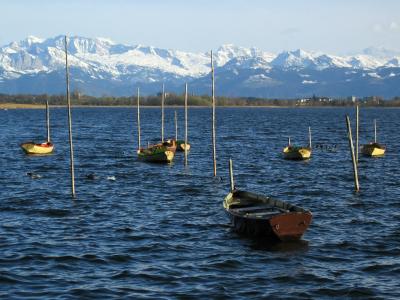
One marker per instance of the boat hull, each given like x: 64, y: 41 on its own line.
x: 180, y: 146
x: 373, y: 149
x: 168, y: 144
x: 162, y: 156
x: 34, y: 148
x: 287, y: 225
x: 300, y: 153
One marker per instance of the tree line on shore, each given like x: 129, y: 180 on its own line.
x: 195, y: 100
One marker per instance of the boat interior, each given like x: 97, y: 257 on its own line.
x: 254, y: 205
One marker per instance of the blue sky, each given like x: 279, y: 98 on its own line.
x: 338, y: 27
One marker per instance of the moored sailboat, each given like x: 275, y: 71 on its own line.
x: 298, y: 152
x: 160, y: 153
x: 40, y: 148
x: 180, y: 144
x: 373, y: 149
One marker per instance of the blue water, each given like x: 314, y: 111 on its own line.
x: 159, y: 231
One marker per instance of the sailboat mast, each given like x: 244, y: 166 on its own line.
x: 71, y: 148
x: 48, y: 121
x: 186, y: 122
x: 309, y: 137
x: 162, y: 113
x: 375, y: 130
x: 231, y: 175
x: 176, y: 127
x: 213, y: 115
x: 138, y: 117
x: 357, y: 130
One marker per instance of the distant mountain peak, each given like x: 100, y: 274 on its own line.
x: 100, y: 65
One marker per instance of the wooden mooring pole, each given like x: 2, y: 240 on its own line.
x: 71, y: 148
x: 231, y: 175
x: 138, y: 117
x: 355, y: 173
x: 186, y: 124
x: 357, y: 130
x: 162, y: 113
x: 176, y: 126
x: 48, y: 121
x: 213, y: 116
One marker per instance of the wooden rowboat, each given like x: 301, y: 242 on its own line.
x: 296, y: 153
x: 373, y: 149
x: 159, y: 154
x: 34, y: 148
x: 256, y: 215
x: 260, y: 216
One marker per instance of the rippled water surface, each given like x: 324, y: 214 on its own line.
x: 160, y: 230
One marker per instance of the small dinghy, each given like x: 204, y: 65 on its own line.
x: 256, y: 215
x: 34, y: 148
x: 373, y: 149
x: 157, y: 153
x: 296, y: 153
x: 180, y: 146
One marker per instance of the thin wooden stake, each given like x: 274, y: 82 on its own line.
x: 186, y: 124
x: 213, y: 116
x: 231, y: 175
x: 309, y: 137
x: 48, y: 121
x: 71, y: 148
x: 162, y: 113
x: 355, y: 173
x: 176, y: 126
x: 138, y: 117
x: 357, y: 130
x: 375, y: 130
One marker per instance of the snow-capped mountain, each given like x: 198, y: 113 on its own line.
x: 100, y: 66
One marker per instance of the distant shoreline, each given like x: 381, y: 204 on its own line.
x: 6, y: 106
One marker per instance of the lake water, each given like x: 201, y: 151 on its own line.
x: 159, y: 231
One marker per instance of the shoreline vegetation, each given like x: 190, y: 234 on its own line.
x: 27, y: 101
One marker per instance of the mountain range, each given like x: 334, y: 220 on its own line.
x: 100, y: 67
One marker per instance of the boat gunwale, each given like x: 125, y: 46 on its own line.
x: 291, y: 209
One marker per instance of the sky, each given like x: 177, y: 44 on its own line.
x: 335, y: 27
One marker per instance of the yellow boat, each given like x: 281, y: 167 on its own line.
x: 296, y: 152
x: 34, y: 148
x: 40, y: 148
x: 157, y: 154
x: 180, y: 146
x: 373, y: 149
